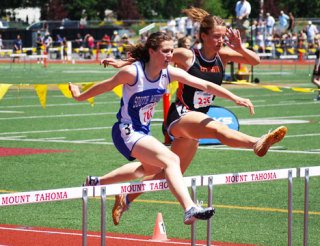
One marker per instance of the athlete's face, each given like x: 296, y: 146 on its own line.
x: 164, y: 53
x: 215, y: 37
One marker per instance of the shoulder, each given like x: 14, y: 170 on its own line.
x: 182, y: 57
x: 127, y: 74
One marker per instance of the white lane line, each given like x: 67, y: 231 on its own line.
x: 57, y: 130
x: 11, y: 112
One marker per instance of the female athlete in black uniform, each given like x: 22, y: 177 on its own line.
x: 316, y: 71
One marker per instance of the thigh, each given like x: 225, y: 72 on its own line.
x: 151, y: 152
x: 195, y: 125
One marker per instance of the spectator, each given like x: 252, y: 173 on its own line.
x: 270, y: 24
x: 291, y: 23
x: 283, y: 21
x: 116, y: 39
x: 17, y: 45
x: 105, y: 42
x: 1, y: 42
x: 184, y: 42
x: 302, y: 40
x: 189, y: 26
x: 125, y: 44
x: 47, y: 42
x: 89, y: 39
x: 79, y: 41
x: 182, y: 25
x: 171, y: 24
x: 39, y: 43
x: 65, y: 49
x: 243, y: 10
x: 312, y: 31
x: 83, y: 21
x: 59, y: 45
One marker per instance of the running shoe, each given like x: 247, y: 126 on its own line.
x: 91, y: 181
x: 198, y: 212
x: 121, y: 204
x: 262, y: 146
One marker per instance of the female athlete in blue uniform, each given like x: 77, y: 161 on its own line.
x: 187, y: 120
x: 144, y: 83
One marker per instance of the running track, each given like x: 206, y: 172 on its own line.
x: 36, y: 236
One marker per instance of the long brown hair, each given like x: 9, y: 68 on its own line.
x: 207, y: 21
x: 140, y: 51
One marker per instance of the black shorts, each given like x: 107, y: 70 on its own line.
x: 316, y: 70
x: 175, y: 112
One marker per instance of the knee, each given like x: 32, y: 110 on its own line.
x: 172, y: 161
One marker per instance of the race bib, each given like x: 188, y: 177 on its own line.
x: 146, y: 114
x: 202, y: 99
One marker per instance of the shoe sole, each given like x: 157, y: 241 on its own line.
x: 115, y: 216
x: 201, y: 216
x: 274, y: 137
x: 207, y: 214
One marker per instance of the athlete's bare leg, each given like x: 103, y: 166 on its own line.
x: 197, y: 125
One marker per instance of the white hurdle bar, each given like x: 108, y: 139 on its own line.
x: 249, y: 177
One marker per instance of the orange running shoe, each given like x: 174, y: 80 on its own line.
x: 262, y: 146
x: 121, y: 204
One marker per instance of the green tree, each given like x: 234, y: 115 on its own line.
x: 215, y: 7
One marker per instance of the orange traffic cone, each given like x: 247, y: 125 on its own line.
x: 159, y: 231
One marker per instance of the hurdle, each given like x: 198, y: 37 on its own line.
x: 250, y: 177
x: 209, y: 181
x: 306, y: 173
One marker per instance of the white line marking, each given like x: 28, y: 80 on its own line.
x: 53, y: 138
x: 58, y: 130
x: 63, y: 130
x: 10, y: 112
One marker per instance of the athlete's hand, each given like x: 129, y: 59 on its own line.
x: 233, y: 39
x: 245, y: 103
x: 113, y: 62
x: 75, y: 90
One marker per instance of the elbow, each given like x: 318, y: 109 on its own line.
x: 256, y: 61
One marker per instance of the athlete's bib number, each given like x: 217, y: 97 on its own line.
x: 202, y: 99
x: 146, y: 114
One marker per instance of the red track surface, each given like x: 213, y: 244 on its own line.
x: 35, y: 236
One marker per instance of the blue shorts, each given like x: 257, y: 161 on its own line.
x: 125, y: 137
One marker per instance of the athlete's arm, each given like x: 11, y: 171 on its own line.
x: 182, y: 58
x: 186, y: 78
x: 126, y: 75
x: 235, y: 51
x: 116, y: 63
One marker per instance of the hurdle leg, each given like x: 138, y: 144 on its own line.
x: 289, y: 207
x: 194, y: 198
x: 103, y: 216
x: 209, y: 222
x: 84, y: 216
x: 306, y: 207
